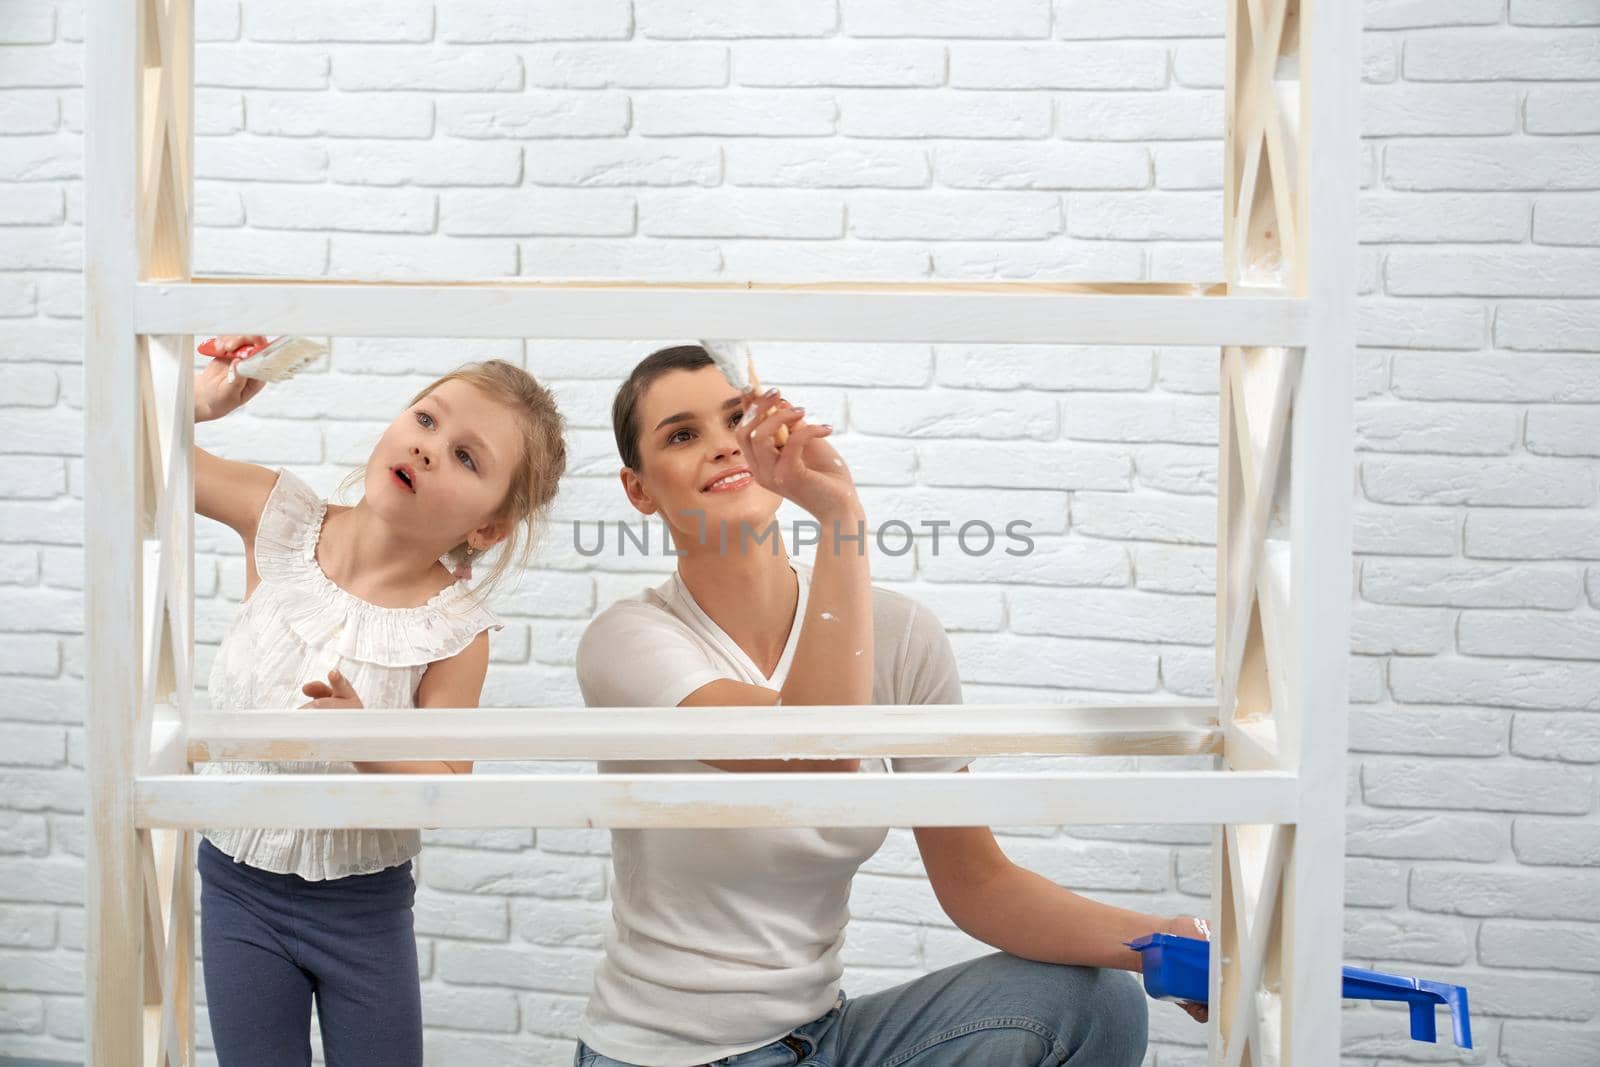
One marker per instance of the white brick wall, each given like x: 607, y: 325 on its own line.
x: 900, y: 139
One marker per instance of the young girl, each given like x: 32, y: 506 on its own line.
x: 351, y: 607
x: 725, y: 945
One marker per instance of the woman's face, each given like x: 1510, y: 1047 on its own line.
x: 691, y: 469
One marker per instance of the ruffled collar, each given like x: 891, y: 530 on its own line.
x: 325, y: 615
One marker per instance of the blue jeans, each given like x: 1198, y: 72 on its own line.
x: 274, y: 942
x: 995, y: 1011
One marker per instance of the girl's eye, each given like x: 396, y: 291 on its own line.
x: 736, y: 418
x: 466, y: 457
x: 425, y: 420
x: 678, y: 437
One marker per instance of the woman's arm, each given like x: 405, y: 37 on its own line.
x: 1019, y: 912
x: 456, y: 682
x: 725, y: 692
x: 833, y: 657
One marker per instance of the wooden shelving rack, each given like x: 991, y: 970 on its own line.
x: 1282, y: 318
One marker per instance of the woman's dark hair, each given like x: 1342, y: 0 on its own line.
x: 625, y: 408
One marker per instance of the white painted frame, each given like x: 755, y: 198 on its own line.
x: 1283, y: 315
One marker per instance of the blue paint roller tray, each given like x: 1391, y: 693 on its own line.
x: 1178, y: 968
x: 1175, y: 968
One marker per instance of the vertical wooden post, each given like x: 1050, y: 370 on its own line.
x: 114, y: 946
x: 139, y: 525
x: 1283, y: 548
x: 1316, y: 735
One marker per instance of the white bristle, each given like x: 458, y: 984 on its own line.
x: 732, y: 358
x: 281, y: 360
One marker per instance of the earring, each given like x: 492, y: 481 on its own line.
x: 463, y: 570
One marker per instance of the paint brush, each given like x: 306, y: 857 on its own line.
x: 733, y: 360
x: 276, y: 361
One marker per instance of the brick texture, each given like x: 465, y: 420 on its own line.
x: 901, y: 139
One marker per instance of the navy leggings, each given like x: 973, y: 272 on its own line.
x: 274, y: 942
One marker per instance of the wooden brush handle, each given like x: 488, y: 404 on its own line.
x: 755, y: 390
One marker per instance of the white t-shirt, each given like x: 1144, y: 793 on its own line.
x: 722, y: 941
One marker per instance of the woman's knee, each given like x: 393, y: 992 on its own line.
x: 1058, y: 988
x: 1098, y: 1016
x: 1120, y: 995
x: 1109, y: 1024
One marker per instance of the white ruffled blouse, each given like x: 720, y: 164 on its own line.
x: 295, y: 628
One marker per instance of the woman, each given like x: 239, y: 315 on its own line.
x: 725, y: 944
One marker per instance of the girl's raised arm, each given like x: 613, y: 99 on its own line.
x: 225, y: 490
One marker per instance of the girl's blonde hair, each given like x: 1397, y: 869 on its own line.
x: 538, y: 471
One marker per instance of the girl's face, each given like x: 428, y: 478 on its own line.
x: 691, y: 469
x: 446, y: 463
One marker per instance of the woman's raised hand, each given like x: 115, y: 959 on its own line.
x: 806, y: 469
x: 214, y: 394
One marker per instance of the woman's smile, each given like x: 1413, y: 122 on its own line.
x: 730, y: 481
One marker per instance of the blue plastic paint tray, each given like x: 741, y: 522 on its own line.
x: 1175, y: 968
x: 1178, y: 968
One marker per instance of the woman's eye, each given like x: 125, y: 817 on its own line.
x: 736, y: 418
x: 465, y: 457
x: 678, y: 437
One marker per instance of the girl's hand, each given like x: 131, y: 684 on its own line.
x: 1190, y: 926
x: 336, y: 692
x: 214, y: 395
x: 806, y: 469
